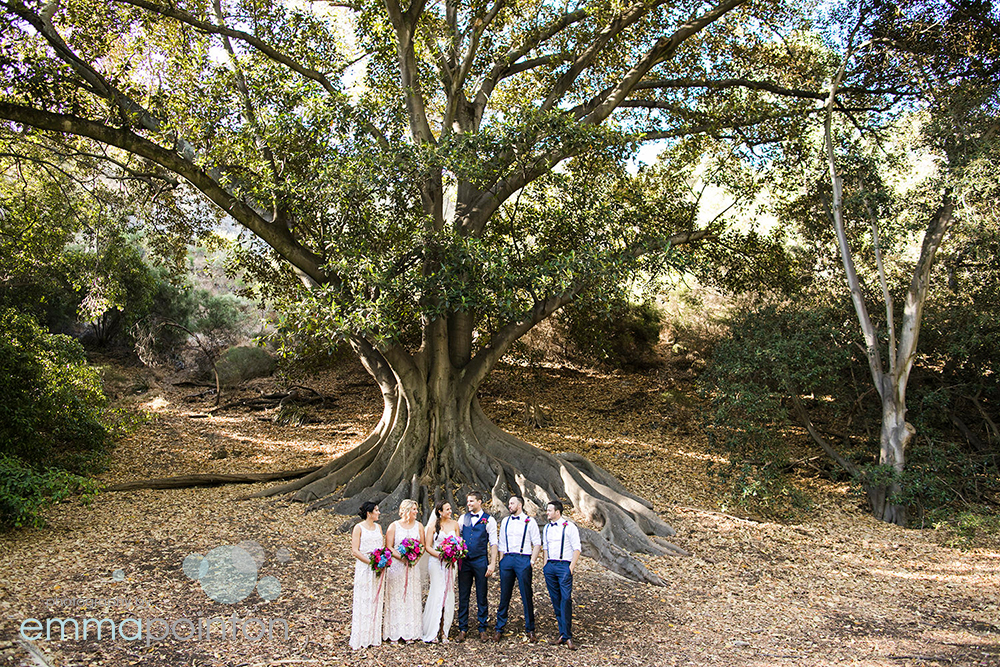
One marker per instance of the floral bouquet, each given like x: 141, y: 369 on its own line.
x: 410, y: 549
x: 380, y: 559
x: 453, y: 549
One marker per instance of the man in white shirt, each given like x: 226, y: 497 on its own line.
x: 479, y: 530
x: 561, y: 543
x: 520, y: 543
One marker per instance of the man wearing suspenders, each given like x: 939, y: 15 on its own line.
x: 561, y: 543
x: 520, y: 543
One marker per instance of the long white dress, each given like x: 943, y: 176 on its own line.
x: 403, y: 594
x: 441, y: 595
x: 366, y: 620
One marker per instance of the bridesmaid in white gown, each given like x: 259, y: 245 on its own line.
x: 366, y: 620
x: 440, y: 608
x: 403, y: 590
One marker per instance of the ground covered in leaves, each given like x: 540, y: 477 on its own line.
x: 836, y: 588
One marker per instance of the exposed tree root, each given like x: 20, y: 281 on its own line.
x: 191, y: 481
x: 396, y: 462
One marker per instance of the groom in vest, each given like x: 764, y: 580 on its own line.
x: 479, y: 530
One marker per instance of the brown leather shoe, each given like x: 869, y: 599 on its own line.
x: 461, y: 636
x: 483, y: 637
x: 557, y: 641
x: 570, y: 645
x: 497, y: 636
x: 532, y: 637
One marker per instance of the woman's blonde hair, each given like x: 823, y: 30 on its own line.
x: 406, y: 506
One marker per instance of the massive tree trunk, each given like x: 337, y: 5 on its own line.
x: 434, y: 442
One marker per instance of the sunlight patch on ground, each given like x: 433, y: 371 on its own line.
x: 158, y: 404
x: 702, y: 456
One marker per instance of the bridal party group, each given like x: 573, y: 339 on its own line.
x: 462, y: 552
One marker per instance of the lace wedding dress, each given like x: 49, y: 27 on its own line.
x: 441, y: 596
x: 402, y: 596
x: 366, y: 620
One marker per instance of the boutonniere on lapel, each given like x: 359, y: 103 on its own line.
x: 565, y: 523
x: 483, y: 521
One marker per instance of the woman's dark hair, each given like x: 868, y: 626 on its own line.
x: 437, y: 512
x: 366, y: 509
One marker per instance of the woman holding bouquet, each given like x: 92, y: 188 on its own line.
x: 443, y: 548
x: 405, y: 538
x: 366, y: 620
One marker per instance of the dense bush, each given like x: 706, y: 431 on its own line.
x: 51, y: 424
x: 772, y: 350
x: 623, y: 334
x: 25, y: 490
x: 775, y: 350
x: 239, y: 364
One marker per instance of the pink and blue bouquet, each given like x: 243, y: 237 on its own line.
x: 452, y: 550
x: 410, y: 549
x: 380, y: 559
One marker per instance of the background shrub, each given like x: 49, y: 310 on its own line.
x: 51, y: 421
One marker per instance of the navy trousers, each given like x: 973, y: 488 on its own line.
x: 473, y: 570
x: 559, y: 581
x: 516, y: 567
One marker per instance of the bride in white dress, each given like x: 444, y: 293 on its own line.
x: 403, y: 588
x: 440, y: 608
x: 366, y: 620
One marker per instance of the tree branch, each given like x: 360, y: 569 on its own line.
x: 256, y: 221
x: 663, y: 49
x: 254, y: 41
x: 916, y: 295
x: 531, y: 41
x: 404, y: 24
x: 817, y: 438
x: 890, y: 323
x: 625, y: 19
x: 262, y: 46
x: 854, y: 284
x: 477, y: 369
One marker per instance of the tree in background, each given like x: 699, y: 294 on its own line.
x: 948, y: 52
x: 899, y: 180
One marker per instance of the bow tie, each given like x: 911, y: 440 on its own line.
x: 476, y: 516
x: 553, y: 523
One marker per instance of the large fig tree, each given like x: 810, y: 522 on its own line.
x: 439, y: 178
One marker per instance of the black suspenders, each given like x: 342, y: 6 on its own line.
x: 506, y: 534
x: 562, y: 541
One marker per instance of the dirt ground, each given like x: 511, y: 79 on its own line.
x: 836, y: 589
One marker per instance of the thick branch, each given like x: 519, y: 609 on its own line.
x: 404, y: 25
x: 487, y: 358
x: 252, y: 40
x: 854, y: 284
x: 278, y: 238
x: 533, y: 39
x: 627, y: 18
x: 663, y: 49
x: 890, y: 320
x: 917, y: 293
